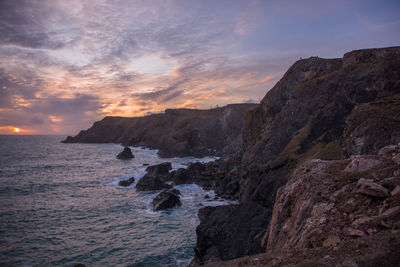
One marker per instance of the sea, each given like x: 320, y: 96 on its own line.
x: 60, y: 204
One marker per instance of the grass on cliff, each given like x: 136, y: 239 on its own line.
x: 320, y: 149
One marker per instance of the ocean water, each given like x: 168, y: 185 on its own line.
x: 60, y: 204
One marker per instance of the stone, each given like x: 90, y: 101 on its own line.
x: 355, y: 232
x: 148, y: 183
x: 391, y: 212
x: 166, y: 199
x: 361, y: 221
x: 372, y: 189
x: 159, y: 169
x: 360, y: 164
x: 387, y: 152
x: 227, y: 232
x: 396, y: 159
x: 395, y: 191
x: 127, y: 182
x: 126, y: 154
x: 331, y: 241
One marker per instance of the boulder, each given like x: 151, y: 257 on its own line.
x: 126, y: 154
x: 361, y: 163
x: 149, y: 182
x: 369, y: 188
x: 166, y: 199
x: 227, y: 232
x: 127, y: 182
x: 159, y: 169
x: 180, y: 176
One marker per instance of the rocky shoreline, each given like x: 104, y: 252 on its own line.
x: 315, y: 167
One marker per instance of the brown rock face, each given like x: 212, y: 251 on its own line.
x: 177, y: 132
x: 322, y: 108
x: 326, y: 210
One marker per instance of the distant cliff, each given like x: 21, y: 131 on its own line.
x: 177, y: 132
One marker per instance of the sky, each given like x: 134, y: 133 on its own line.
x: 65, y: 64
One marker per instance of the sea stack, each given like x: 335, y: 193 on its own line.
x: 126, y: 154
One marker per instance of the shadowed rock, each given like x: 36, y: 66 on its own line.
x: 159, y: 169
x: 228, y: 232
x: 154, y: 178
x: 127, y: 182
x: 126, y: 154
x: 166, y: 199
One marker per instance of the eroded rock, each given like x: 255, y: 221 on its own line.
x: 127, y: 182
x: 126, y: 154
x: 166, y: 199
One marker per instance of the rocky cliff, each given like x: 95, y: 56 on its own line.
x: 177, y: 132
x: 322, y: 112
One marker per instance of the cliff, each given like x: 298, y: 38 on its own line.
x: 314, y: 121
x: 177, y: 132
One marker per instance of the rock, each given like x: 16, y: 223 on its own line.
x: 360, y: 164
x: 148, y: 183
x: 166, y: 199
x: 180, y: 176
x: 395, y: 191
x: 206, y: 196
x: 391, y: 212
x: 331, y: 241
x: 388, y: 152
x: 126, y: 154
x: 175, y: 191
x: 362, y: 220
x: 127, y: 182
x: 355, y: 232
x: 196, y: 167
x: 369, y: 188
x: 396, y: 159
x: 159, y: 169
x: 227, y: 232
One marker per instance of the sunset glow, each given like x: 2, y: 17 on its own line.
x: 64, y: 66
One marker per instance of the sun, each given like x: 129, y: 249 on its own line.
x: 17, y: 130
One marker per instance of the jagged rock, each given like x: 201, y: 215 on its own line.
x: 227, y: 232
x: 127, y: 182
x: 367, y: 187
x: 126, y: 154
x: 148, y: 183
x: 331, y: 241
x: 396, y: 159
x: 360, y: 164
x: 159, y: 169
x: 389, y: 152
x: 391, y: 212
x: 395, y: 191
x: 180, y: 176
x: 355, y: 232
x: 166, y: 199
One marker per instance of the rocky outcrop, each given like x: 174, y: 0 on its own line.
x: 127, y: 182
x: 126, y: 154
x: 328, y: 209
x: 154, y: 178
x: 166, y: 199
x: 224, y: 234
x: 177, y: 132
